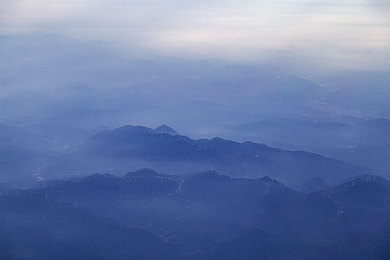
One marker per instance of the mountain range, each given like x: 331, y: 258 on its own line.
x: 351, y: 139
x: 150, y: 215
x: 176, y: 154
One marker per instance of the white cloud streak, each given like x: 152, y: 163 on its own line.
x: 345, y: 32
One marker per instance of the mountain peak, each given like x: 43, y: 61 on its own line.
x: 365, y: 183
x: 144, y: 172
x: 164, y: 129
x: 266, y: 179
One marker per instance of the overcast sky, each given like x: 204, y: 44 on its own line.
x: 344, y: 33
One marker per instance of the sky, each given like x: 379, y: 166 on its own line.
x: 350, y: 34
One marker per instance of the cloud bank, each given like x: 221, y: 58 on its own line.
x: 339, y: 34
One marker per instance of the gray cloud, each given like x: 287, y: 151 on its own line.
x: 380, y: 3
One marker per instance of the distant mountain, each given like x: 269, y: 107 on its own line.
x: 129, y: 146
x: 149, y: 215
x: 351, y: 139
x: 164, y: 129
x: 26, y: 150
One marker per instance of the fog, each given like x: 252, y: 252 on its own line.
x: 194, y: 129
x: 63, y: 90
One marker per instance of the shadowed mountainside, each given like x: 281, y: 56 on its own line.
x: 180, y: 154
x: 149, y: 215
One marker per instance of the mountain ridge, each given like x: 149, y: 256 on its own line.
x: 181, y: 154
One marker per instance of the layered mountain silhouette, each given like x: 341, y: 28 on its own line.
x: 149, y: 215
x: 351, y: 139
x: 129, y: 147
